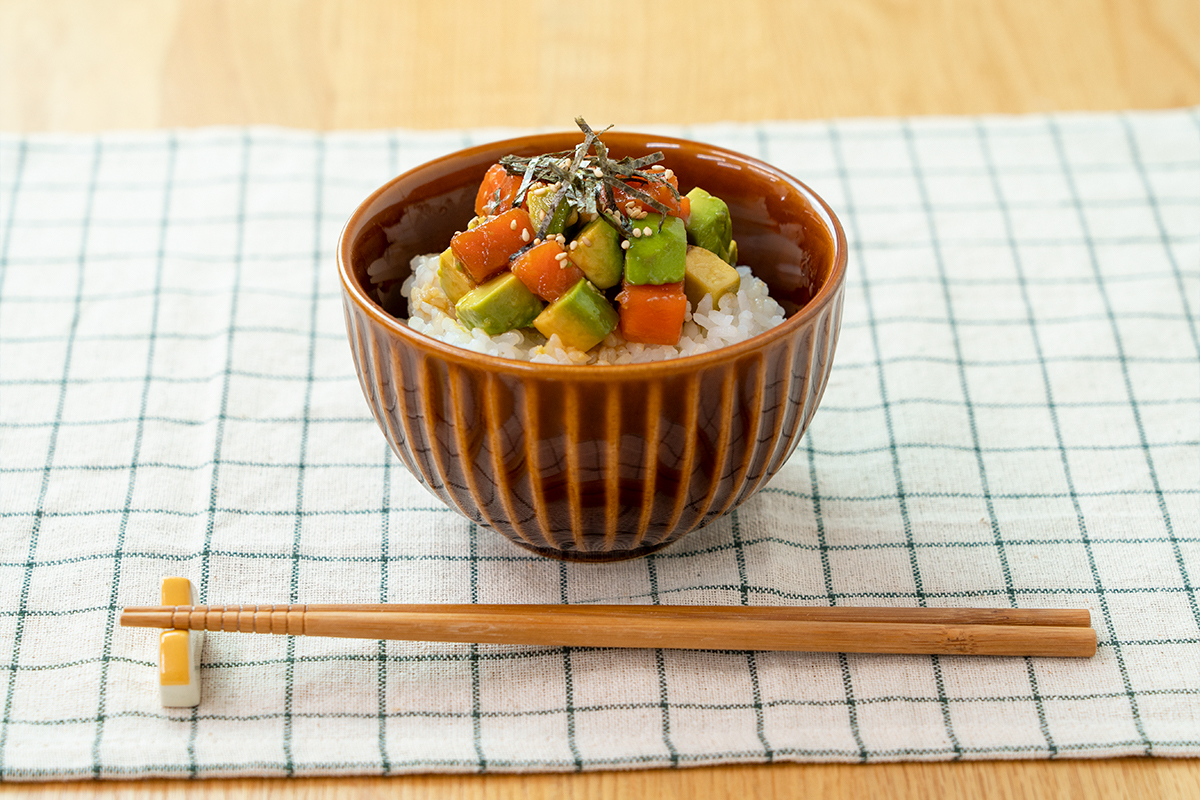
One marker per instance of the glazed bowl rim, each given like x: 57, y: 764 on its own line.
x: 822, y: 298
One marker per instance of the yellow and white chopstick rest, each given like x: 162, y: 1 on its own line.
x: 179, y: 651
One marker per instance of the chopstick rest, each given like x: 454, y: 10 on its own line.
x: 179, y: 652
x: 950, y: 631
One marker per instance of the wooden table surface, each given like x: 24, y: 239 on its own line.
x: 79, y: 65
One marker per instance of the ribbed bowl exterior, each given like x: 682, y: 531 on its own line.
x: 599, y: 463
x: 602, y: 466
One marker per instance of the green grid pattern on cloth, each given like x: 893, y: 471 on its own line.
x: 1013, y: 420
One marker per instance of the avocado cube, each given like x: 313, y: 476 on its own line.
x: 453, y: 277
x: 707, y: 274
x: 598, y: 253
x: 582, y: 317
x: 660, y: 257
x: 538, y: 205
x: 709, y: 225
x: 501, y: 304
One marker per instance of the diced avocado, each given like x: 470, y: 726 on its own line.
x: 598, y: 253
x: 707, y: 274
x: 453, y: 277
x: 709, y: 226
x: 538, y: 204
x: 501, y: 304
x: 658, y: 258
x: 581, y: 317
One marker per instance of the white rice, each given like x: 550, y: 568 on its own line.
x: 738, y: 317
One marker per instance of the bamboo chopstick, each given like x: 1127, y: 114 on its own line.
x: 948, y: 631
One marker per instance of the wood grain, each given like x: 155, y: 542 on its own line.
x: 73, y: 65
x: 77, y: 65
x: 1116, y: 779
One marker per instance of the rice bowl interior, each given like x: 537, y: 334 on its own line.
x: 738, y: 317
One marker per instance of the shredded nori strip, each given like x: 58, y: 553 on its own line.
x: 582, y: 188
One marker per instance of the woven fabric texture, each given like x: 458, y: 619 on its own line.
x: 1013, y: 420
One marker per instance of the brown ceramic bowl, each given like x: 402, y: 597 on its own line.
x: 600, y: 463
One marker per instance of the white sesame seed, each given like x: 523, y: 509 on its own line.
x: 537, y: 241
x: 524, y: 232
x: 574, y: 245
x: 512, y: 226
x: 647, y: 231
x: 637, y: 232
x: 658, y: 168
x: 586, y: 242
x: 599, y: 173
x: 625, y: 244
x: 668, y: 174
x: 560, y: 256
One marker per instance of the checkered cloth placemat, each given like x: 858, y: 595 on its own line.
x: 1013, y: 420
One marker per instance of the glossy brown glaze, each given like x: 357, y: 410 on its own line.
x: 600, y: 463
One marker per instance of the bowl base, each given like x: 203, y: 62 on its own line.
x: 597, y: 557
